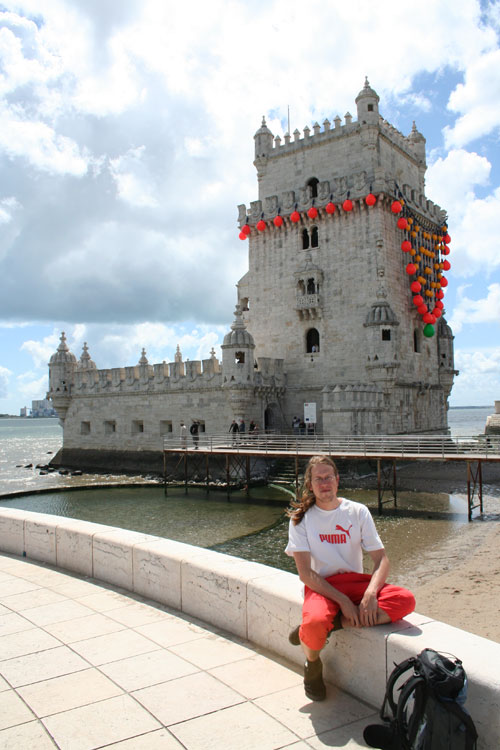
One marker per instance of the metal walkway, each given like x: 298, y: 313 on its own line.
x: 239, y: 451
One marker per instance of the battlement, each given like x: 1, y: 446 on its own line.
x: 357, y: 185
x: 318, y: 136
x: 78, y: 378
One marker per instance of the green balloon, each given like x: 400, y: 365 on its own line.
x: 429, y: 330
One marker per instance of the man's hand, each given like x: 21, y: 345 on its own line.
x: 368, y: 609
x: 351, y: 613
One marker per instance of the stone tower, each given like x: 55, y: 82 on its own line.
x: 329, y: 288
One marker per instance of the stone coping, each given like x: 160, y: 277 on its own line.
x: 253, y: 601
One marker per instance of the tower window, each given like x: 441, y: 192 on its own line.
x: 84, y: 428
x: 311, y: 287
x: 239, y: 358
x: 416, y: 341
x: 165, y: 427
x: 109, y: 426
x: 386, y: 334
x: 313, y: 184
x: 312, y: 341
x: 305, y: 239
x: 314, y: 237
x: 137, y: 426
x: 370, y: 108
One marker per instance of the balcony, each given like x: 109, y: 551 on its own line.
x: 308, y: 306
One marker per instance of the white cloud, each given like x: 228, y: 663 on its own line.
x: 452, y: 182
x: 4, y: 381
x: 476, y: 100
x: 32, y: 388
x: 479, y: 380
x: 482, y: 311
x: 41, y: 351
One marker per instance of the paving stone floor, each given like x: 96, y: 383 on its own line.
x: 85, y: 665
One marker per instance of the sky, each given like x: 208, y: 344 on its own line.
x: 126, y: 144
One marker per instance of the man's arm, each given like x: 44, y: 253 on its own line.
x: 368, y: 608
x: 310, y: 578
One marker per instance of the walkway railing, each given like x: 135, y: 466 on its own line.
x: 394, y: 446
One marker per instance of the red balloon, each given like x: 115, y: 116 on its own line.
x: 402, y: 223
x: 411, y: 269
x: 396, y: 207
x: 440, y: 294
x: 446, y: 265
x: 422, y: 309
x: 429, y: 318
x: 370, y: 199
x: 447, y: 239
x: 446, y: 250
x: 347, y: 205
x: 330, y: 208
x: 245, y: 228
x: 439, y: 304
x: 443, y: 281
x: 313, y: 212
x: 418, y: 300
x: 261, y: 225
x: 242, y: 235
x: 437, y: 312
x: 415, y: 286
x: 406, y: 246
x: 278, y: 221
x: 295, y: 216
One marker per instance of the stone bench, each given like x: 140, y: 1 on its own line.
x: 253, y: 601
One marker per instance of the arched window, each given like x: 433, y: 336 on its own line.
x: 239, y: 358
x: 311, y: 286
x: 314, y: 237
x: 313, y: 184
x: 312, y: 341
x: 305, y: 239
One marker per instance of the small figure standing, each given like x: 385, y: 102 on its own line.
x: 233, y: 429
x: 241, y: 425
x: 251, y: 428
x: 296, y: 425
x: 183, y: 432
x: 194, y: 430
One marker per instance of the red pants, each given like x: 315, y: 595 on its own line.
x: 318, y: 611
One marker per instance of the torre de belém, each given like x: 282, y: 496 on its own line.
x: 341, y: 308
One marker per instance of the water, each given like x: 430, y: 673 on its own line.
x: 248, y: 528
x: 35, y: 441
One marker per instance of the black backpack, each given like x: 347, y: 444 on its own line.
x: 428, y: 714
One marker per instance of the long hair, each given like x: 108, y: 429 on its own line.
x: 306, y: 498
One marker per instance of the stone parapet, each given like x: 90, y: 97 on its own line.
x: 255, y: 602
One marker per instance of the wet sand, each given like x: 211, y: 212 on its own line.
x: 460, y: 583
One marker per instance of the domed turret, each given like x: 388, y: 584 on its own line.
x: 367, y: 103
x: 263, y: 141
x: 85, y: 362
x: 62, y: 368
x: 237, y: 352
x: 417, y: 143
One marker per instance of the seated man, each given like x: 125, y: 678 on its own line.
x: 327, y: 536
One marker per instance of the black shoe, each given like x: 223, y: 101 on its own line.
x: 293, y: 636
x: 313, y: 680
x: 381, y: 736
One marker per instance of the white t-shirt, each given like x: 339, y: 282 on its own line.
x: 335, y: 538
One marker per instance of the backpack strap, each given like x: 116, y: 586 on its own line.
x: 399, y: 669
x: 407, y: 728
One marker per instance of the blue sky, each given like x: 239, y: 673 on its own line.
x: 127, y: 143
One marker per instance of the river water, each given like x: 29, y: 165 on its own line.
x: 254, y: 528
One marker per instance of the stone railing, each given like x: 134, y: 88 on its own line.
x: 253, y: 601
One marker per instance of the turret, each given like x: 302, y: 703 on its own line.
x: 85, y: 362
x: 367, y: 103
x: 62, y: 368
x: 263, y: 141
x: 237, y: 353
